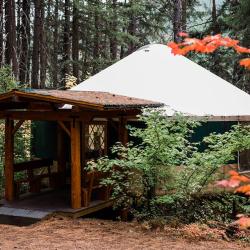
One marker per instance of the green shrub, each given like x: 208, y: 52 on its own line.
x: 166, y: 170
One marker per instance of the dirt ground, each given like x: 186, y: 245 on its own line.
x: 63, y: 233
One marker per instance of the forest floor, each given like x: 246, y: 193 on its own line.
x: 64, y: 233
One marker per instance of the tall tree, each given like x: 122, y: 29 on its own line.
x: 184, y: 15
x: 10, y: 29
x: 1, y: 32
x: 75, y: 39
x: 55, y: 46
x: 113, y: 37
x: 25, y: 42
x: 97, y: 37
x: 66, y: 39
x: 43, y: 49
x: 177, y: 19
x: 36, y: 45
x: 132, y: 27
x: 215, y: 24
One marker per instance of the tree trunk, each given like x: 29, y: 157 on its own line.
x: 25, y: 41
x: 177, y: 20
x: 55, y: 48
x: 66, y: 38
x: 36, y: 46
x: 132, y: 28
x: 18, y: 25
x: 246, y: 43
x: 75, y: 39
x: 1, y: 33
x: 184, y: 16
x: 10, y: 29
x: 215, y: 25
x: 113, y: 39
x: 96, y: 40
x: 43, y: 50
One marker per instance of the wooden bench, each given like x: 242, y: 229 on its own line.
x: 91, y: 182
x: 33, y: 180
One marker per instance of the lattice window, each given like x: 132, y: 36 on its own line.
x: 95, y: 139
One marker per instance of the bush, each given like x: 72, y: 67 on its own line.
x: 205, y: 207
x: 146, y: 179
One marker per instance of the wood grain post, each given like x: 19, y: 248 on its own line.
x: 75, y: 165
x: 122, y: 130
x: 9, y: 160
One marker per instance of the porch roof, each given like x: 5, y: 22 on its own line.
x: 85, y: 99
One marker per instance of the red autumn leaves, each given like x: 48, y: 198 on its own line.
x: 242, y: 185
x: 235, y: 181
x: 208, y: 44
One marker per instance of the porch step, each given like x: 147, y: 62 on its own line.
x: 20, y: 217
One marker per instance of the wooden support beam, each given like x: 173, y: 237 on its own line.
x: 75, y: 165
x: 9, y: 160
x: 63, y: 126
x: 65, y: 115
x: 61, y: 155
x: 17, y: 126
x: 122, y: 131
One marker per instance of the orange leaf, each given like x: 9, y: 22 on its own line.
x: 240, y: 49
x: 243, y: 189
x: 243, y: 222
x: 240, y: 178
x: 233, y: 172
x: 245, y: 62
x: 210, y: 48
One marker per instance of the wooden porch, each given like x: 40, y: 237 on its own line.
x: 48, y: 203
x: 84, y: 124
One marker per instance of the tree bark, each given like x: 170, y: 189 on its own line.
x: 75, y: 39
x: 36, y: 46
x: 177, y: 20
x: 113, y: 39
x: 215, y: 25
x: 1, y: 32
x: 10, y: 29
x: 184, y: 16
x: 66, y: 38
x: 55, y: 48
x: 132, y: 28
x: 43, y: 49
x: 25, y: 41
x: 96, y: 40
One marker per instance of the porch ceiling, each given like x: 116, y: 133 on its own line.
x: 84, y: 99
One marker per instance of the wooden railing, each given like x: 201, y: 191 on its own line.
x: 32, y: 179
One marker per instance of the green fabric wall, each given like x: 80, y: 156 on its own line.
x: 45, y: 136
x: 44, y: 139
x: 210, y: 127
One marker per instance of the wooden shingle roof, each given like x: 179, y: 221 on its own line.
x: 87, y: 99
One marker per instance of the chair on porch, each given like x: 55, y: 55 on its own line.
x: 90, y: 184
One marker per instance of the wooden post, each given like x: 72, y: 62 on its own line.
x: 61, y: 155
x: 123, y: 132
x: 75, y: 165
x: 9, y: 160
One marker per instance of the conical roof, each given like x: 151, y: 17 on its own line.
x: 154, y: 73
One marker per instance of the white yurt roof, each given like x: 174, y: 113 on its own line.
x: 154, y: 73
